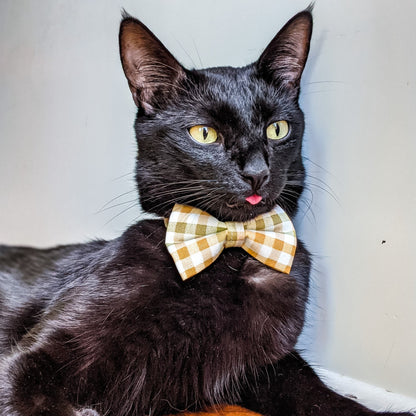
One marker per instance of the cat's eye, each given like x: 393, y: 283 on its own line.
x: 277, y: 130
x: 203, y: 134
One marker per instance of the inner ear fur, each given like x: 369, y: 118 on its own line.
x: 151, y: 70
x: 285, y: 57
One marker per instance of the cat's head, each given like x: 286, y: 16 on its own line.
x: 218, y: 138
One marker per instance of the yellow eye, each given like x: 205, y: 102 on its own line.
x: 203, y: 134
x: 277, y: 130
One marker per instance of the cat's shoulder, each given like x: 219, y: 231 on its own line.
x: 146, y: 236
x: 142, y: 246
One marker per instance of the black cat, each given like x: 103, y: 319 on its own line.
x: 109, y: 327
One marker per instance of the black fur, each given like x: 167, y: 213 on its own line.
x: 108, y: 327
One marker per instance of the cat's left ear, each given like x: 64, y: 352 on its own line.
x: 151, y: 70
x: 284, y: 59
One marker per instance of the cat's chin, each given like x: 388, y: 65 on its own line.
x: 243, y: 211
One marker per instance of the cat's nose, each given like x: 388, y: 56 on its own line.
x: 257, y: 180
x: 256, y: 172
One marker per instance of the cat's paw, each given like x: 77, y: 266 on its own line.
x: 86, y: 412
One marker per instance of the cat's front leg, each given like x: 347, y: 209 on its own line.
x: 32, y: 385
x: 292, y: 388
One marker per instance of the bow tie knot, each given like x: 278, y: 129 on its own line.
x: 236, y: 234
x: 195, y: 239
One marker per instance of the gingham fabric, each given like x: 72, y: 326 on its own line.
x: 195, y: 239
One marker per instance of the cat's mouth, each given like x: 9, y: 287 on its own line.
x: 253, y: 200
x: 243, y: 210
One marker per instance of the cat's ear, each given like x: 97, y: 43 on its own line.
x: 284, y: 59
x: 151, y: 70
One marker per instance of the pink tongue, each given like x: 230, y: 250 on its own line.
x: 254, y: 199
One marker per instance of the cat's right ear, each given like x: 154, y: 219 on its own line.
x: 284, y: 59
x: 151, y: 70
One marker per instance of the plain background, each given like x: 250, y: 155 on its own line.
x: 67, y: 148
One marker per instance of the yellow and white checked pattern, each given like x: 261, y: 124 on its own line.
x: 195, y: 239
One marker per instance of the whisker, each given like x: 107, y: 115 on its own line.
x: 197, y: 53
x: 308, y: 205
x: 175, y: 191
x: 123, y: 176
x: 317, y: 92
x: 311, y: 179
x: 117, y: 197
x: 327, y: 191
x: 175, y: 197
x: 186, y: 52
x: 121, y: 213
x: 117, y: 205
x: 309, y: 160
x: 325, y: 82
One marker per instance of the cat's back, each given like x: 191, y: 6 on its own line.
x: 36, y: 273
x: 28, y: 271
x: 27, y: 265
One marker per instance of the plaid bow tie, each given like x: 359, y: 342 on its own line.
x: 195, y: 239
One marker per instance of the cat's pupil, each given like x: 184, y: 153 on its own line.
x: 205, y: 132
x: 276, y: 126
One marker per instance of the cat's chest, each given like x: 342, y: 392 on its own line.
x: 236, y: 312
x: 233, y: 279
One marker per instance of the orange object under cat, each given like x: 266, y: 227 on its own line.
x: 226, y: 410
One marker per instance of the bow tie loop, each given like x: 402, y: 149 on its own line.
x: 195, y: 239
